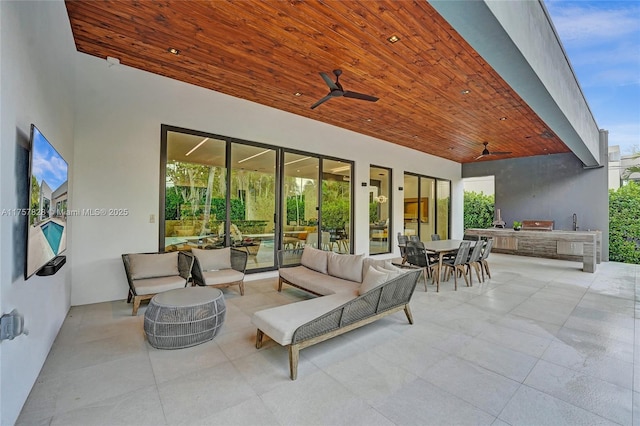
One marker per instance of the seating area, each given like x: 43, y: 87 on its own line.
x: 507, y: 351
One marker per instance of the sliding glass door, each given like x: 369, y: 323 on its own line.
x: 426, y: 206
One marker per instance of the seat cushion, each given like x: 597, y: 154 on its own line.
x: 158, y: 284
x: 345, y: 266
x: 213, y: 260
x: 281, y: 322
x: 316, y: 282
x: 223, y: 276
x: 142, y: 265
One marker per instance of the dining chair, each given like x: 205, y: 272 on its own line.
x: 402, y: 245
x: 417, y: 256
x: 435, y: 237
x: 414, y: 238
x: 457, y: 264
x: 474, y: 261
x: 484, y: 265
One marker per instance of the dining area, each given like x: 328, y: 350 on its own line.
x: 442, y: 258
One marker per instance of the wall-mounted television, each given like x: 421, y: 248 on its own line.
x: 47, y: 214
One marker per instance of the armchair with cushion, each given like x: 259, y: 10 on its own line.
x: 219, y: 268
x: 152, y: 273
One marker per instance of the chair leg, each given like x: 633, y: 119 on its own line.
x: 424, y: 274
x: 136, y: 305
x: 280, y: 284
x: 476, y: 266
x: 241, y: 285
x: 486, y: 268
x: 129, y: 296
x: 407, y: 312
x: 294, y: 356
x: 464, y: 275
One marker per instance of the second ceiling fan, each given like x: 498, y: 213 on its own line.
x: 336, y: 90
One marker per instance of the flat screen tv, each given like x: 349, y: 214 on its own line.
x: 47, y: 214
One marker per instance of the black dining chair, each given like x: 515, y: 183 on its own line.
x: 402, y: 245
x: 484, y: 265
x: 457, y: 264
x: 414, y: 238
x: 473, y: 261
x: 417, y: 256
x: 435, y: 237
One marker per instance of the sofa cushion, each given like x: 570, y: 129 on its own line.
x: 281, y: 322
x: 158, y: 284
x: 316, y: 282
x: 213, y: 260
x: 314, y: 259
x: 345, y: 266
x: 372, y: 279
x: 152, y: 265
x: 392, y: 271
x: 369, y: 261
x: 223, y: 276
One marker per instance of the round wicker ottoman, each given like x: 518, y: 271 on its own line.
x: 184, y: 317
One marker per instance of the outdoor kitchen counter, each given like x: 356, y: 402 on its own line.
x: 579, y: 246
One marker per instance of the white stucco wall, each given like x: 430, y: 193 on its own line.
x: 119, y: 111
x: 36, y: 72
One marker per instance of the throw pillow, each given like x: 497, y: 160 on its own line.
x: 213, y: 260
x: 392, y: 272
x: 372, y: 279
x: 314, y: 259
x: 346, y: 266
x: 153, y: 265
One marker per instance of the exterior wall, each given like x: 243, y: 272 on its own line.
x: 117, y: 161
x: 36, y: 57
x: 549, y: 187
x: 523, y: 47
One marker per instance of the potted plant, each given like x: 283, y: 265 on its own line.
x: 517, y: 225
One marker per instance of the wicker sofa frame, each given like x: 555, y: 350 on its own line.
x: 386, y: 299
x: 238, y: 262
x: 185, y: 262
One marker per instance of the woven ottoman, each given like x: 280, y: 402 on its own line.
x: 184, y: 317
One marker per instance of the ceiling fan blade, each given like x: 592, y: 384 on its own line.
x: 500, y: 153
x: 480, y: 156
x: 356, y: 95
x: 332, y: 85
x: 321, y: 101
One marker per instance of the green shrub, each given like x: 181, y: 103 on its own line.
x: 478, y: 210
x: 624, y: 227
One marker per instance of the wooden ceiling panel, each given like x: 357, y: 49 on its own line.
x: 267, y: 51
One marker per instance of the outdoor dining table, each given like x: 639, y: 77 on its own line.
x: 441, y: 248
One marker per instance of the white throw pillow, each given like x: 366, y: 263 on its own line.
x: 314, y: 259
x: 213, y: 260
x: 372, y: 279
x: 346, y: 266
x: 153, y: 265
x: 392, y: 271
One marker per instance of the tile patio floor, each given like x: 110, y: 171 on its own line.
x: 540, y: 343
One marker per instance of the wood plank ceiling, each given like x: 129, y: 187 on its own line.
x: 437, y: 95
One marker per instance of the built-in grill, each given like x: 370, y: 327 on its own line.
x: 537, y: 225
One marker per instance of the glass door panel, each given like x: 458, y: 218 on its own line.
x: 379, y: 210
x: 427, y: 208
x: 300, y: 201
x: 195, y: 192
x: 335, y: 208
x: 410, y: 205
x: 251, y: 223
x: 444, y: 197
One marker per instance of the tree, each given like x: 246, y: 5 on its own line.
x: 631, y: 169
x: 624, y: 227
x: 478, y: 210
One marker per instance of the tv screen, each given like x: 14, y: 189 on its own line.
x: 47, y: 230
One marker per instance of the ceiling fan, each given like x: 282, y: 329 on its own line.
x: 337, y: 91
x: 486, y: 153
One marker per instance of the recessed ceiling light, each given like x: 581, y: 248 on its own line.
x: 502, y: 118
x: 465, y: 91
x: 393, y: 39
x: 173, y: 51
x: 297, y: 94
x: 369, y: 120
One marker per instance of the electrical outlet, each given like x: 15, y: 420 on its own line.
x: 152, y: 218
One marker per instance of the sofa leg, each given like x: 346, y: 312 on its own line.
x: 294, y: 355
x: 241, y: 288
x: 407, y: 312
x: 259, y: 337
x: 136, y: 305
